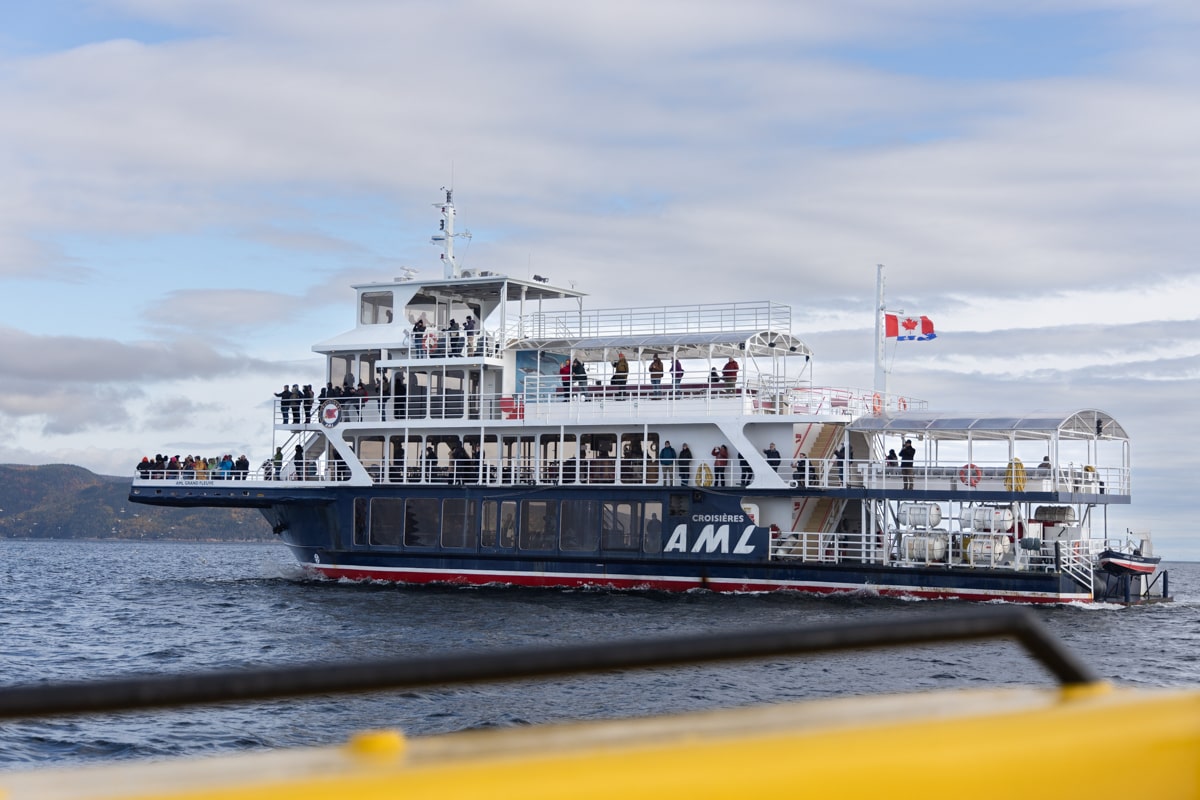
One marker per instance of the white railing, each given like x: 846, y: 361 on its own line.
x: 683, y: 319
x: 500, y: 471
x: 990, y: 476
x: 823, y: 547
x: 848, y: 402
x: 442, y: 343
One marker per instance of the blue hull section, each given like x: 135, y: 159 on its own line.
x: 670, y: 538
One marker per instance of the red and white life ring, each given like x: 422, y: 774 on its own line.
x: 876, y: 403
x: 970, y: 475
x: 902, y: 404
x: 430, y: 341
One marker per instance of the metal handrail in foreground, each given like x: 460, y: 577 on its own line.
x: 127, y: 694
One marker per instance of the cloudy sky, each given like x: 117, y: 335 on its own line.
x: 190, y: 187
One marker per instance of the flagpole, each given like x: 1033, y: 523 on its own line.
x: 880, y: 372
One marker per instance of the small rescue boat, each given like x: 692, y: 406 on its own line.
x: 1115, y: 562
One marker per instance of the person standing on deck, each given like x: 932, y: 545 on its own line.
x: 620, y: 373
x: 667, y: 457
x: 579, y: 376
x: 774, y: 459
x: 800, y: 470
x: 285, y: 403
x: 730, y: 373
x: 907, y: 453
x: 656, y: 376
x: 307, y: 398
x: 564, y: 375
x: 684, y: 464
x: 469, y: 335
x: 720, y: 456
x: 294, y: 403
x: 677, y: 375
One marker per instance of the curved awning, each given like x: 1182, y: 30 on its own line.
x: 756, y: 343
x: 1084, y: 424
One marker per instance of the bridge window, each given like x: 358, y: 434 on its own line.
x: 375, y: 308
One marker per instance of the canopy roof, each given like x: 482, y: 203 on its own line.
x: 696, y: 344
x: 1084, y: 424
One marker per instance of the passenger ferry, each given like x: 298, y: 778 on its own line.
x: 479, y: 428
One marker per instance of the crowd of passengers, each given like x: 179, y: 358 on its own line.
x: 296, y: 403
x: 189, y: 467
x: 454, y: 340
x: 574, y: 377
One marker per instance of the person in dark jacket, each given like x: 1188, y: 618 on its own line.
x: 907, y: 453
x: 667, y: 458
x: 684, y: 464
x: 773, y: 457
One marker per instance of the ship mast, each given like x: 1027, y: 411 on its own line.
x: 880, y: 331
x: 445, y: 236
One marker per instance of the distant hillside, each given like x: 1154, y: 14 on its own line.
x: 60, y: 501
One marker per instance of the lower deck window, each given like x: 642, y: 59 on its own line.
x: 579, y: 521
x: 387, y: 521
x: 421, y: 521
x: 539, y: 524
x: 458, y: 522
x: 545, y: 525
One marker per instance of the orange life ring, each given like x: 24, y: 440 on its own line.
x: 902, y: 404
x: 431, y: 340
x: 970, y: 475
x: 876, y: 403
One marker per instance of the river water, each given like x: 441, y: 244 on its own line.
x: 91, y: 610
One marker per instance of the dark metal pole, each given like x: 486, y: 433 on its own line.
x: 447, y: 670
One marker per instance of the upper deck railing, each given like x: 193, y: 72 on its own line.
x: 672, y: 320
x: 551, y: 400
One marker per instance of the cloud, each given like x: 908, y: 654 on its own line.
x: 221, y: 313
x: 73, y: 384
x: 175, y: 411
x: 80, y: 360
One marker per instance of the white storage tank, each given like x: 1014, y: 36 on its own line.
x: 920, y: 515
x: 926, y: 548
x: 1055, y: 514
x: 996, y: 519
x: 986, y: 549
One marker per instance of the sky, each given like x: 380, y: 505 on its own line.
x: 191, y: 187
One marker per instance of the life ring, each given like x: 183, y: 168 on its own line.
x: 329, y: 413
x: 704, y: 475
x: 431, y: 341
x: 902, y: 404
x: 876, y: 403
x: 970, y: 475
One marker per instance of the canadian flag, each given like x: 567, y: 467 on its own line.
x: 908, y: 329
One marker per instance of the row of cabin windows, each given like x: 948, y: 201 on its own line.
x: 541, y: 525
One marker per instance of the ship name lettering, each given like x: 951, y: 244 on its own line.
x: 711, y: 539
x: 194, y: 483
